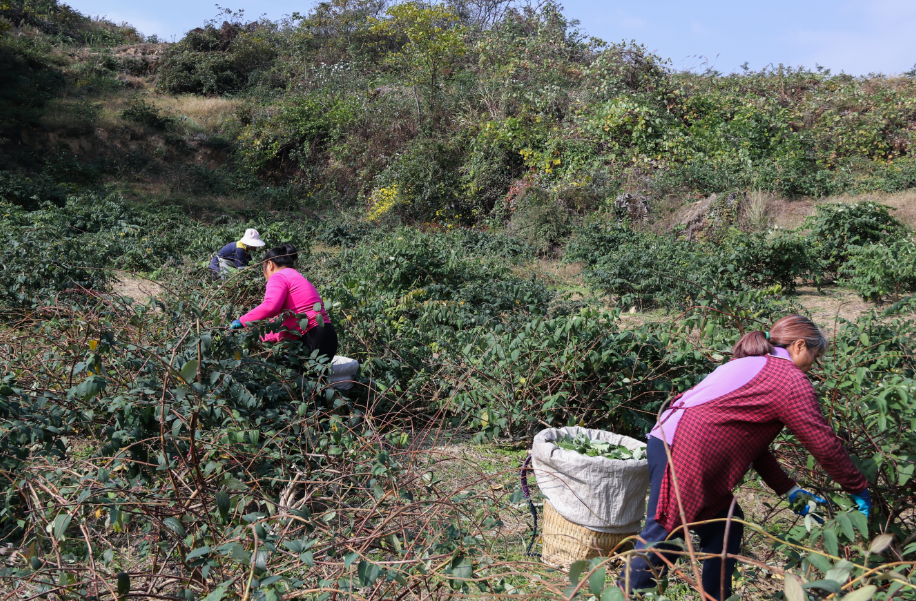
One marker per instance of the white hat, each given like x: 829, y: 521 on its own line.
x: 252, y: 238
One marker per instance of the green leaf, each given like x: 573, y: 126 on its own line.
x: 189, y: 371
x: 840, y: 572
x: 830, y: 542
x: 863, y: 594
x: 880, y: 543
x: 175, y: 525
x: 576, y: 569
x: 846, y: 526
x: 596, y: 581
x: 216, y: 595
x: 820, y: 562
x: 123, y: 579
x: 860, y: 522
x: 831, y: 586
x: 197, y: 553
x: 60, y: 525
x: 462, y: 568
x: 367, y: 573
x: 612, y: 593
x: 349, y: 558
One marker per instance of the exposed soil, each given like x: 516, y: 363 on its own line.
x: 137, y: 289
x: 830, y: 303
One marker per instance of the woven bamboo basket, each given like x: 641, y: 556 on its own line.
x: 565, y: 542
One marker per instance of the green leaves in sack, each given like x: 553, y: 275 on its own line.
x: 583, y: 445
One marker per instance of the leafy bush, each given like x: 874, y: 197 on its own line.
x: 538, y: 220
x: 761, y: 261
x: 671, y: 272
x: 880, y: 271
x: 143, y: 113
x: 29, y: 193
x: 428, y: 183
x: 216, y: 60
x: 165, y: 406
x: 835, y: 229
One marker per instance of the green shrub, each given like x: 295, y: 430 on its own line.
x: 29, y: 193
x: 671, y: 272
x: 881, y: 271
x: 428, y: 182
x: 761, y: 261
x: 143, y: 113
x: 211, y: 60
x: 538, y: 220
x: 836, y: 228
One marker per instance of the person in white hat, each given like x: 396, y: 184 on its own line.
x: 235, y: 254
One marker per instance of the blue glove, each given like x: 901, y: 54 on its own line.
x: 236, y: 325
x: 863, y: 500
x: 795, y: 491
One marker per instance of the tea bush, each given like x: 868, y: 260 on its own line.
x: 881, y: 271
x: 662, y: 270
x: 835, y: 229
x: 235, y: 467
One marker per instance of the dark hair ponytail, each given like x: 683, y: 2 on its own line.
x: 752, y: 344
x: 783, y: 333
x: 284, y: 255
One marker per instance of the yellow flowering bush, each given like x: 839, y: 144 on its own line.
x: 383, y: 201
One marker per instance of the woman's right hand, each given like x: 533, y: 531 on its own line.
x: 236, y: 325
x: 798, y: 493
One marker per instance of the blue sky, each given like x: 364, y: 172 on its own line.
x: 857, y: 37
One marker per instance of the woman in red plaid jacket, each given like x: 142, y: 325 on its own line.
x: 723, y: 427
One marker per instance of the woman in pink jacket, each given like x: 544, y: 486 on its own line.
x: 289, y: 293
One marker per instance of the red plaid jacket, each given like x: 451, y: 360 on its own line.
x: 718, y: 442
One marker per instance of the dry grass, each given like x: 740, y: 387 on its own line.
x: 903, y: 202
x: 765, y: 210
x: 790, y: 214
x: 203, y: 114
x: 757, y: 214
x: 830, y: 303
x: 553, y: 273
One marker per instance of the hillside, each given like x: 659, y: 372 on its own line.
x: 512, y: 226
x: 425, y: 116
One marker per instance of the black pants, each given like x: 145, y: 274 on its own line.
x: 323, y: 339
x: 711, y: 537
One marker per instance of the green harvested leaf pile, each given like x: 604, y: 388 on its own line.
x: 583, y: 445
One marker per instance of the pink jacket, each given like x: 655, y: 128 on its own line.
x: 287, y: 292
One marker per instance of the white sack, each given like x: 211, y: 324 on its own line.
x: 605, y: 495
x: 343, y: 372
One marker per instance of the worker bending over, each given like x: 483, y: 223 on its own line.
x: 235, y: 255
x: 289, y: 293
x: 721, y: 428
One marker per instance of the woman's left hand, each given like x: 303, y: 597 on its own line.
x: 236, y: 325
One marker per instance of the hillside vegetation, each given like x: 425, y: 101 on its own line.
x: 513, y: 227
